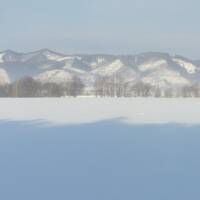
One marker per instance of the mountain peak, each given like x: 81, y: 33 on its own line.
x: 45, y: 51
x: 9, y: 51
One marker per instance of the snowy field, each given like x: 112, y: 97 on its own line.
x: 88, y: 110
x: 99, y: 149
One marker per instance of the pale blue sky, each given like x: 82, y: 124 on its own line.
x: 101, y: 26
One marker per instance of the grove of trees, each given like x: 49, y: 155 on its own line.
x: 103, y: 87
x: 28, y: 87
x: 113, y: 87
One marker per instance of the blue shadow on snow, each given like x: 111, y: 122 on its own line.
x: 106, y: 160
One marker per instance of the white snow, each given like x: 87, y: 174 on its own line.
x: 74, y: 70
x: 4, y: 78
x: 1, y: 57
x: 54, y: 76
x: 99, y: 61
x: 69, y: 63
x: 152, y: 65
x: 189, y: 67
x: 165, y: 77
x: 52, y: 56
x: 69, y: 66
x: 66, y: 58
x: 57, y: 57
x: 88, y: 110
x: 94, y: 65
x: 109, y: 69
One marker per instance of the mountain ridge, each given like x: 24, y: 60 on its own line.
x: 155, y: 68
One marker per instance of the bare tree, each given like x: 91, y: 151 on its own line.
x: 25, y: 87
x: 4, y: 90
x: 51, y: 90
x: 110, y: 86
x: 74, y: 87
x: 141, y: 89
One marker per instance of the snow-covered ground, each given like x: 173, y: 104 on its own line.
x: 93, y: 156
x: 89, y: 110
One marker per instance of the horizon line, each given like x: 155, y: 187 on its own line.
x: 93, y: 54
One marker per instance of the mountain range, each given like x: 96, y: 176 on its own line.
x: 157, y: 69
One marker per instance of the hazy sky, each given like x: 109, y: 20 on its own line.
x: 101, y: 26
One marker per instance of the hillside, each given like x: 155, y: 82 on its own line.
x: 159, y: 70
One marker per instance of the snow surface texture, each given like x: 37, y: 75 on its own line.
x: 89, y: 110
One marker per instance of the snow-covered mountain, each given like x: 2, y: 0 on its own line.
x: 54, y: 76
x: 157, y: 69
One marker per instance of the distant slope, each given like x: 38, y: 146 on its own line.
x: 157, y: 69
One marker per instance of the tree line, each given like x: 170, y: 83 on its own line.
x: 103, y: 87
x: 117, y: 87
x: 29, y: 87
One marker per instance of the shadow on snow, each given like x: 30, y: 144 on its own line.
x: 103, y: 160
